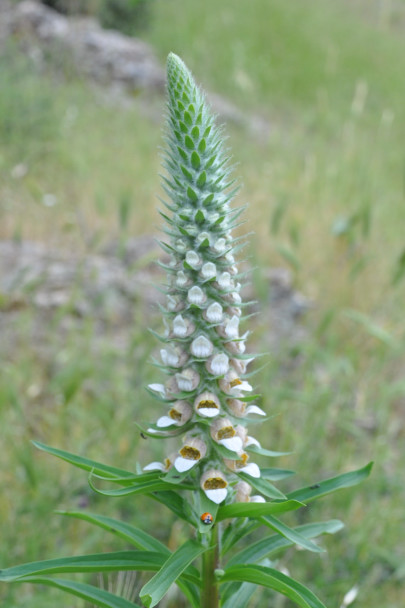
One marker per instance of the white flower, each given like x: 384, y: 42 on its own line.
x: 193, y: 450
x: 235, y: 297
x: 214, y: 312
x: 208, y: 271
x: 201, y: 347
x: 196, y: 295
x: 179, y: 414
x: 242, y: 465
x: 222, y: 432
x: 238, y: 408
x: 188, y: 379
x: 218, y: 365
x: 214, y: 485
x: 180, y: 245
x: 158, y: 388
x: 193, y: 259
x: 233, y: 385
x: 174, y: 303
x: 161, y: 466
x: 207, y: 405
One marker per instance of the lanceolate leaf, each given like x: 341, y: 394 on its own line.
x: 292, y: 535
x: 331, y: 485
x: 147, y: 487
x: 97, y: 597
x: 271, y: 544
x: 273, y: 579
x: 157, y: 587
x: 131, y: 534
x: 254, y: 449
x: 84, y: 463
x: 245, y: 509
x: 238, y: 595
x: 99, y: 562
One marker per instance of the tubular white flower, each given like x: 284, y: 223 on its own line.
x: 180, y: 245
x: 218, y: 365
x: 166, y: 465
x: 223, y: 432
x: 238, y: 408
x: 214, y: 485
x: 179, y: 414
x: 196, y: 295
x: 236, y: 347
x: 231, y: 384
x: 193, y: 450
x: 158, y: 388
x: 208, y: 270
x: 188, y: 379
x: 242, y: 465
x: 207, y: 405
x: 201, y: 347
x: 193, y: 259
x: 213, y: 313
x: 240, y: 365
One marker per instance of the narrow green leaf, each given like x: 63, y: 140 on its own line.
x: 273, y: 579
x: 263, y: 486
x: 237, y: 595
x: 98, y: 597
x: 202, y: 146
x: 174, y: 566
x: 292, y: 535
x: 98, y: 562
x: 192, y: 195
x: 202, y: 178
x: 189, y: 142
x: 271, y: 544
x: 327, y: 486
x: 275, y: 474
x: 154, y: 485
x: 84, y: 463
x: 126, y: 531
x: 199, y: 217
x: 254, y: 449
x: 252, y: 510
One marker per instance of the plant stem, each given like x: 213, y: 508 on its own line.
x: 210, y: 591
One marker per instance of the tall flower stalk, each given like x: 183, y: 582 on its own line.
x: 211, y: 479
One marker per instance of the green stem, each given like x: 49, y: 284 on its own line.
x: 210, y: 590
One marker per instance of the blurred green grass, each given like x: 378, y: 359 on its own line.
x: 326, y: 193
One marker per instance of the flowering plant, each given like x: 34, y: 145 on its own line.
x: 211, y: 482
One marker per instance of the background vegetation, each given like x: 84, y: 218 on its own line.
x: 326, y: 194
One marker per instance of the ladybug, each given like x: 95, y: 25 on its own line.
x: 207, y: 518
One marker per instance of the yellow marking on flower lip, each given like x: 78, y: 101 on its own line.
x: 168, y: 463
x: 215, y: 483
x: 207, y: 403
x: 235, y: 382
x: 174, y: 414
x: 226, y: 432
x: 190, y: 453
x: 243, y: 460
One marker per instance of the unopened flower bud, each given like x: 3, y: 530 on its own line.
x: 193, y: 259
x: 243, y: 491
x: 213, y: 313
x: 196, y: 295
x: 208, y: 271
x: 182, y: 327
x: 201, y: 347
x: 188, y: 379
x: 218, y: 365
x: 182, y: 280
